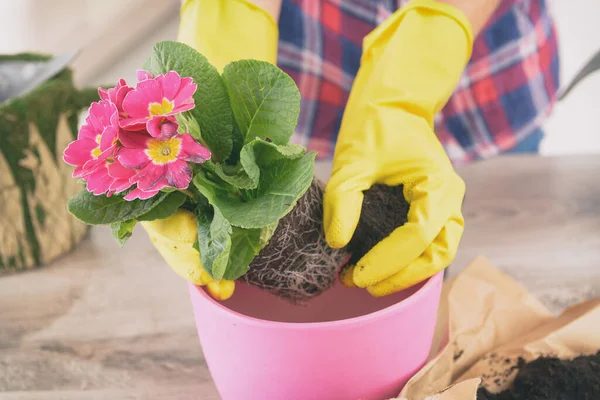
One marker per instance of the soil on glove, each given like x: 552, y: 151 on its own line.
x: 384, y: 209
x: 553, y: 379
x: 297, y: 264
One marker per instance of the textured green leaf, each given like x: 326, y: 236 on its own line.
x: 259, y: 153
x: 122, y: 231
x: 226, y: 251
x: 233, y: 174
x: 281, y: 184
x: 214, y: 242
x: 188, y: 124
x: 212, y: 110
x: 264, y: 99
x: 245, y: 245
x: 102, y: 210
x: 238, y: 143
x: 165, y: 208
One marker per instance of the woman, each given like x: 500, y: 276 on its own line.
x: 396, y: 92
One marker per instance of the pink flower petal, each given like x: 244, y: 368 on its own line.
x: 100, y: 115
x: 151, y: 177
x: 99, y: 181
x: 186, y: 92
x: 178, y: 174
x: 133, y: 124
x: 170, y: 83
x: 143, y: 75
x: 183, y: 107
x: 109, y: 136
x: 146, y: 92
x: 120, y: 185
x: 103, y: 93
x: 87, y: 132
x: 91, y: 166
x: 140, y: 194
x: 192, y: 151
x: 79, y: 151
x: 133, y: 158
x: 122, y: 177
x: 118, y: 171
x: 134, y: 140
x: 119, y: 94
x: 161, y: 127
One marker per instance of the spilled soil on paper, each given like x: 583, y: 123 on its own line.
x: 549, y: 378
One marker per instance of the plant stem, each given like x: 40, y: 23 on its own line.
x: 188, y: 193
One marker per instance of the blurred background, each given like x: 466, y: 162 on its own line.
x: 116, y: 36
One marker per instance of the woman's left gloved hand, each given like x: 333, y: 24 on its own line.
x: 174, y: 239
x: 410, y: 67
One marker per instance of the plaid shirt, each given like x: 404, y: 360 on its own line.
x: 505, y: 93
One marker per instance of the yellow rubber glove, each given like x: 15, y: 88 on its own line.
x: 223, y: 31
x: 228, y: 30
x: 409, y: 69
x: 174, y: 238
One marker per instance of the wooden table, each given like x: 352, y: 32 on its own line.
x: 110, y: 323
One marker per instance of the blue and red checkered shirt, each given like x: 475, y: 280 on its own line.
x: 505, y: 93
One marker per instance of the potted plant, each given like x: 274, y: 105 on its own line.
x: 39, y: 107
x: 215, y: 149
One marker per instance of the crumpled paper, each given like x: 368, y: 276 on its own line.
x: 486, y: 322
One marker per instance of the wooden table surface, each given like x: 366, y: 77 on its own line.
x: 110, y: 323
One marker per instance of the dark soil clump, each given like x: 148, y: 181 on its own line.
x: 297, y: 264
x: 550, y: 378
x: 384, y: 209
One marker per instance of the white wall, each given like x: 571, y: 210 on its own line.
x: 574, y: 126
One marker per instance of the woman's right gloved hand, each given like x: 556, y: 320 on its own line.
x: 228, y: 30
x: 174, y: 239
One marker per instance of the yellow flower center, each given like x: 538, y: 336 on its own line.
x: 161, y: 108
x: 96, y: 152
x: 163, y: 151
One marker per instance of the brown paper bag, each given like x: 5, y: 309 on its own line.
x: 488, y: 319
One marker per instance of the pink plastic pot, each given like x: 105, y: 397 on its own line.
x: 345, y: 344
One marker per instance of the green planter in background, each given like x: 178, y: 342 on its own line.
x: 35, y: 184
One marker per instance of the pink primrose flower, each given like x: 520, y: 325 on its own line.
x: 160, y: 163
x: 95, y: 141
x: 155, y: 99
x: 116, y: 95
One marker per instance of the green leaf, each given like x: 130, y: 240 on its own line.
x: 214, y: 242
x: 165, y: 208
x: 212, y: 110
x: 245, y: 245
x: 246, y: 174
x: 238, y: 143
x: 260, y: 153
x: 226, y: 251
x: 231, y: 174
x: 281, y: 184
x: 264, y: 99
x: 122, y: 231
x: 188, y: 124
x: 102, y: 210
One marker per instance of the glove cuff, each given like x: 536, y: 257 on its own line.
x: 228, y: 30
x: 419, y: 54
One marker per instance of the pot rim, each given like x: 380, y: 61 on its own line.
x: 425, y: 289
